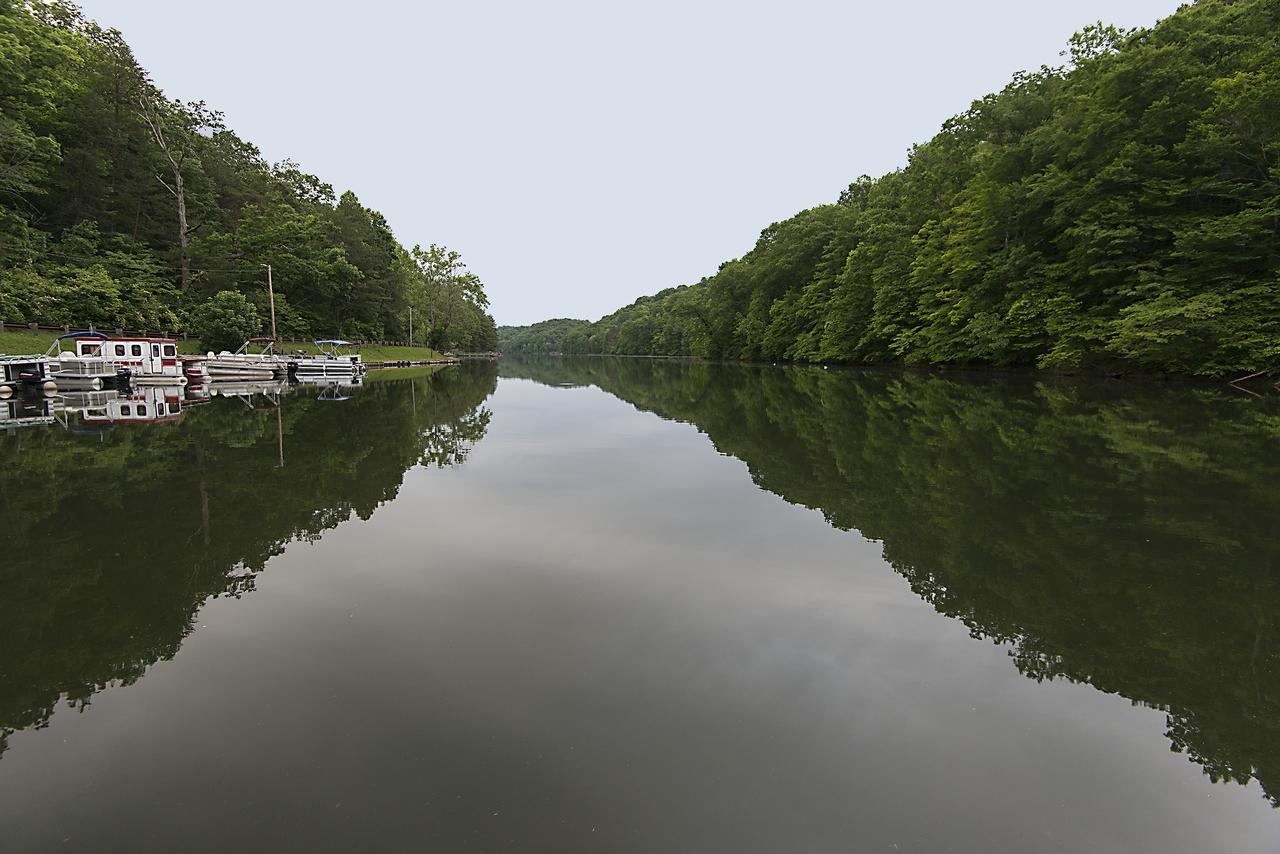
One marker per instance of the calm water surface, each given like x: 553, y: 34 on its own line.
x: 622, y: 605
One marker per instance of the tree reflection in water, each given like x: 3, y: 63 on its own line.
x: 1122, y: 535
x: 115, y: 542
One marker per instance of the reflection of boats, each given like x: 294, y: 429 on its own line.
x: 106, y: 408
x: 327, y: 381
x: 196, y: 393
x: 248, y: 392
x: 248, y: 387
x: 83, y: 367
x: 148, y: 360
x: 79, y: 404
x: 336, y: 361
x: 246, y: 364
x: 29, y: 371
x: 332, y: 389
x: 81, y: 401
x: 144, y: 405
x: 26, y: 411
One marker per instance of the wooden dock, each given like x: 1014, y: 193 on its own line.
x: 411, y: 363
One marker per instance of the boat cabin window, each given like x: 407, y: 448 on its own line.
x: 159, y: 409
x: 119, y: 349
x: 170, y: 350
x: 155, y: 351
x: 125, y: 410
x: 137, y: 349
x: 142, y: 410
x: 93, y: 349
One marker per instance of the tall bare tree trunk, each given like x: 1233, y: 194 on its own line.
x: 151, y: 114
x: 184, y: 240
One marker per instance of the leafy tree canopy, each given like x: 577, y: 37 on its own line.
x: 121, y: 207
x: 1121, y: 212
x: 225, y: 321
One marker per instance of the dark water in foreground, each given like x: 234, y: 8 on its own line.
x: 621, y: 605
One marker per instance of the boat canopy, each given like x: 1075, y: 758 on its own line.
x: 56, y: 346
x: 337, y: 342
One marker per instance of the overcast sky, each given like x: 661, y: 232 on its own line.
x: 581, y: 154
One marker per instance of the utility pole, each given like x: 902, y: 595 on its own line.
x: 271, y: 298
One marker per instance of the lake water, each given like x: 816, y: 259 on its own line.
x: 633, y: 606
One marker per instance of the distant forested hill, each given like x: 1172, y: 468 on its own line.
x: 119, y: 206
x: 1122, y: 211
x: 547, y: 336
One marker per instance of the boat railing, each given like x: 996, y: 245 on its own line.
x: 80, y: 366
x: 267, y: 345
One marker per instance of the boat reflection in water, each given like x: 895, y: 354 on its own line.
x: 26, y: 411
x: 73, y: 409
x: 253, y: 393
x: 159, y: 404
x: 331, y: 389
x: 77, y: 618
x: 151, y: 404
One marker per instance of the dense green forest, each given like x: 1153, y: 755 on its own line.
x: 1149, y: 567
x: 77, y: 618
x: 1119, y: 212
x: 121, y: 207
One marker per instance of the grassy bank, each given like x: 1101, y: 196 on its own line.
x: 23, y: 342
x: 373, y: 352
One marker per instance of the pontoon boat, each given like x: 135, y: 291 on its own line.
x: 83, y: 367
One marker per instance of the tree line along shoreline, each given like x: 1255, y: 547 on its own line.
x: 1117, y: 214
x: 123, y: 208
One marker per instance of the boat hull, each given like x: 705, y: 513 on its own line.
x: 325, y: 368
x: 240, y: 373
x: 81, y: 374
x: 325, y: 371
x: 157, y: 379
x: 79, y: 381
x: 233, y: 367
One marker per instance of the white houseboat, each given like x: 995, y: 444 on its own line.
x: 148, y: 360
x: 83, y: 369
x: 255, y: 360
x: 18, y: 372
x: 335, y: 362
